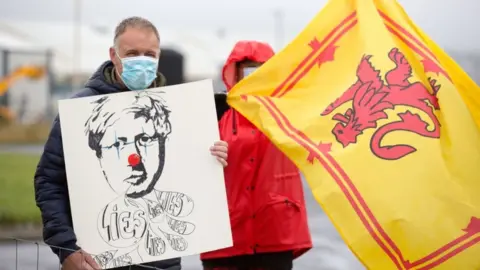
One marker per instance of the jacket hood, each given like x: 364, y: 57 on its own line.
x: 102, y: 82
x: 244, y: 50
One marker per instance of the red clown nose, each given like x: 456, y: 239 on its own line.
x: 133, y: 160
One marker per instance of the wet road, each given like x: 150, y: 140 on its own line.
x: 24, y: 149
x: 329, y: 252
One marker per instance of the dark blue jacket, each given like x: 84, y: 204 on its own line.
x: 51, y: 192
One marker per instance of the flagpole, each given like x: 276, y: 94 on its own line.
x: 77, y: 44
x: 278, y: 28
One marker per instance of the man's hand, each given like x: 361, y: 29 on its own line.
x: 220, y: 151
x: 80, y: 260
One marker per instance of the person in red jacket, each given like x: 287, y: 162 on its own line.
x: 264, y: 188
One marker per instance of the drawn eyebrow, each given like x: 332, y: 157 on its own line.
x: 123, y: 139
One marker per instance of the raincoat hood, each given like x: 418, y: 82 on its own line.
x: 264, y: 188
x: 244, y: 50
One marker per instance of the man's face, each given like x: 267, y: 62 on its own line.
x: 135, y: 42
x: 242, y: 66
x: 129, y: 138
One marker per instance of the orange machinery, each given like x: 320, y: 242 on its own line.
x: 27, y: 71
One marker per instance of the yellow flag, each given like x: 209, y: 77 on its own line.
x: 385, y: 127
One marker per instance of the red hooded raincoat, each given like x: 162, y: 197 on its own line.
x: 264, y: 188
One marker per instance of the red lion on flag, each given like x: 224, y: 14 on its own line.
x: 371, y: 97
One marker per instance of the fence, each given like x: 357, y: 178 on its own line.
x: 22, y: 254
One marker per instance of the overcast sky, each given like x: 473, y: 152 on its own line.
x: 454, y: 24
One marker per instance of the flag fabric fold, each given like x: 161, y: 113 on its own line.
x: 385, y: 127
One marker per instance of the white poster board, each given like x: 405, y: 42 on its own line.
x: 143, y: 185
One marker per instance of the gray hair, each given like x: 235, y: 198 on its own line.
x: 134, y: 22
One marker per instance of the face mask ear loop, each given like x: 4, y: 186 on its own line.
x: 116, y: 71
x: 118, y: 56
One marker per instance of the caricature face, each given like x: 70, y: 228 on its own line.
x: 132, y: 156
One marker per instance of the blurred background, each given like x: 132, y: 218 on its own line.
x: 49, y: 48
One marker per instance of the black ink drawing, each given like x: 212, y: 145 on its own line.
x: 129, y: 143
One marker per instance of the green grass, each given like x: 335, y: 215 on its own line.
x: 17, y: 198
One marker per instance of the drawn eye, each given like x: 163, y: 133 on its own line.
x: 145, y: 140
x: 117, y: 144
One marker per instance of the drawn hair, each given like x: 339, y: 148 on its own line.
x: 147, y: 105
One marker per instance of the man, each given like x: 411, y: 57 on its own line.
x: 132, y: 66
x: 264, y: 189
x: 128, y: 137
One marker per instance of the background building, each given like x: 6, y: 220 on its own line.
x: 70, y: 52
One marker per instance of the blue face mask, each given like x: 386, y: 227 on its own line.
x: 248, y: 70
x: 138, y: 72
